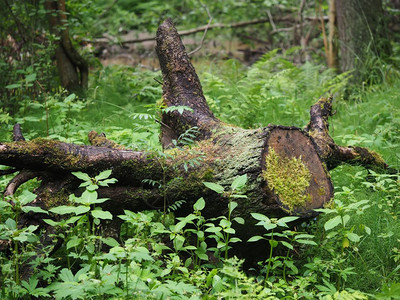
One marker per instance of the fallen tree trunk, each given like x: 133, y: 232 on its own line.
x: 287, y: 167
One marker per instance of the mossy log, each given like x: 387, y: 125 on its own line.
x: 287, y: 167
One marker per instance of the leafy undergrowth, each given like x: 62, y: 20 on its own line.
x: 351, y: 251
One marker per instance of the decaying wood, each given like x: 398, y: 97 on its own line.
x: 221, y: 153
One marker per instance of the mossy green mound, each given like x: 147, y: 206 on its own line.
x: 289, y: 178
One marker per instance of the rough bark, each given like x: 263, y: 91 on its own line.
x: 287, y: 167
x: 72, y: 67
x: 362, y: 32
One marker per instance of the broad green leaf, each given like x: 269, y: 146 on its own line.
x: 106, y: 182
x: 255, y: 238
x: 30, y: 77
x: 234, y: 240
x: 239, y: 182
x: 224, y: 223
x: 90, y: 248
x: 229, y: 230
x: 165, y: 272
x: 50, y: 222
x: 26, y: 197
x: 70, y: 98
x: 346, y: 218
x: 282, y: 221
x: 353, y: 237
x: 11, y: 224
x: 213, y: 229
x: 232, y: 206
x: 267, y: 226
x: 21, y: 238
x: 238, y: 220
x: 260, y: 217
x: 35, y: 209
x: 81, y: 209
x: 4, y: 204
x: 88, y: 197
x: 331, y: 234
x: 287, y: 245
x: 367, y: 230
x: 202, y: 256
x: 220, y: 244
x: 188, y: 262
x: 189, y: 248
x: 82, y: 176
x: 13, y: 86
x: 101, y: 214
x: 307, y: 242
x: 103, y: 175
x: 291, y: 266
x: 304, y: 236
x: 178, y: 242
x: 63, y: 209
x: 200, y: 204
x: 215, y: 187
x: 73, y: 242
x: 72, y: 219
x: 109, y: 241
x: 332, y: 223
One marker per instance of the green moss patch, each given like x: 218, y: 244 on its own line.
x: 289, y: 178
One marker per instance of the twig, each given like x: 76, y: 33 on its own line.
x: 205, y: 30
x: 158, y: 81
x: 271, y: 20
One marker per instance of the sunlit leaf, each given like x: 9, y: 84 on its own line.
x: 215, y: 187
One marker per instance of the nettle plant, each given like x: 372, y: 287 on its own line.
x: 278, y: 233
x: 22, y: 241
x: 80, y: 231
x: 219, y: 229
x: 222, y: 232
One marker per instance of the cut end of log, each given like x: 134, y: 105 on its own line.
x: 294, y: 173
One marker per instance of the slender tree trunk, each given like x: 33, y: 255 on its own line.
x: 332, y: 52
x: 362, y: 33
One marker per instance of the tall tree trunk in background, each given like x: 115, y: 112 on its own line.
x: 332, y: 51
x: 72, y: 67
x: 362, y: 32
